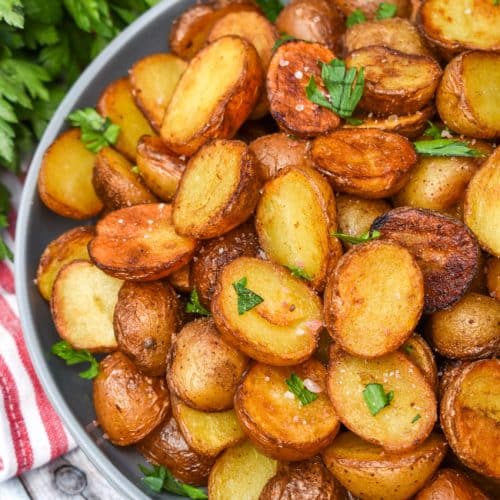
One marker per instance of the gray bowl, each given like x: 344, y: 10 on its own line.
x: 37, y: 226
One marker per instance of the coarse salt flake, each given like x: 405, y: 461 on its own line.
x: 120, y: 221
x: 267, y: 379
x: 289, y: 395
x: 299, y: 107
x: 312, y: 386
x: 284, y: 62
x: 316, y: 19
x: 298, y: 74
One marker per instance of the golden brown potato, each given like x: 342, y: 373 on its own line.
x: 282, y: 330
x: 166, y: 446
x: 295, y: 216
x: 468, y: 89
x: 153, y: 79
x: 82, y: 303
x: 214, y: 254
x: 410, y: 409
x: 70, y: 246
x: 395, y: 83
x: 128, y: 405
x: 369, y: 7
x: 369, y: 163
x: 290, y: 70
x: 421, y: 355
x: 160, y: 170
x: 117, y: 103
x: 146, y: 315
x: 115, y: 183
x: 492, y: 277
x: 482, y: 204
x: 218, y: 191
x: 149, y: 248
x: 444, y: 248
x: 241, y: 472
x: 214, y: 96
x: 181, y: 279
x: 65, y: 178
x: 370, y: 472
x: 292, y: 430
x: 469, y: 330
x: 469, y: 416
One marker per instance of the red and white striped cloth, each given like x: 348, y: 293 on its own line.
x: 31, y: 432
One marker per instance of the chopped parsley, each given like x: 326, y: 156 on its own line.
x: 355, y: 240
x: 160, y: 478
x: 194, y: 304
x: 355, y: 17
x: 297, y: 387
x: 246, y: 298
x: 73, y: 356
x: 376, y: 398
x: 416, y: 417
x: 386, y: 10
x: 299, y: 272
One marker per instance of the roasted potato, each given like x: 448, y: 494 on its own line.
x: 445, y: 249
x: 295, y: 216
x: 70, y: 246
x: 214, y: 96
x: 82, y: 303
x: 421, y: 355
x: 153, y: 79
x: 293, y: 430
x: 230, y: 478
x: 181, y: 279
x: 492, y: 277
x: 370, y: 472
x: 145, y: 317
x: 469, y: 416
x: 65, y: 178
x: 149, y: 247
x: 281, y: 330
x: 291, y: 67
x: 365, y: 162
x: 376, y: 287
x: 218, y: 191
x: 410, y: 409
x: 117, y: 104
x: 395, y: 82
x: 369, y: 7
x: 128, y: 405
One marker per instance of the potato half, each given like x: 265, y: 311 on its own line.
x: 421, y: 355
x: 181, y: 279
x: 283, y: 329
x: 369, y: 7
x: 214, y: 96
x: 406, y: 420
x: 493, y: 277
x: 370, y: 472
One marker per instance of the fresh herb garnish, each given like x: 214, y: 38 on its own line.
x: 376, y: 398
x: 285, y: 37
x: 353, y: 121
x: 354, y: 240
x: 194, y: 304
x: 433, y: 131
x: 296, y: 385
x: 270, y: 8
x: 73, y: 356
x: 355, y: 17
x: 408, y: 348
x: 299, y: 272
x: 445, y: 147
x: 416, y: 417
x: 345, y: 88
x: 135, y: 170
x: 496, y: 2
x: 386, y: 10
x: 246, y: 298
x: 159, y: 478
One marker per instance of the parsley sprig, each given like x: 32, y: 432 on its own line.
x: 299, y: 272
x: 445, y: 147
x: 376, y: 398
x: 285, y: 37
x: 270, y: 8
x: 297, y: 387
x: 73, y: 356
x: 355, y: 17
x: 247, y: 299
x: 385, y: 10
x: 159, y: 478
x: 194, y: 304
x: 355, y: 240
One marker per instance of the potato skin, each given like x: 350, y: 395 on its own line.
x: 128, y: 404
x: 420, y: 354
x: 369, y: 7
x: 493, y: 277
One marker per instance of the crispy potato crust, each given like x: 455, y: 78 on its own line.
x: 369, y: 7
x: 493, y: 277
x: 420, y: 354
x: 181, y: 279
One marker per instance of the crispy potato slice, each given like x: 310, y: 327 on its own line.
x: 291, y: 67
x: 149, y: 247
x: 408, y: 418
x: 470, y: 416
x: 153, y: 79
x: 445, y: 249
x: 482, y: 204
x: 218, y: 191
x: 369, y: 163
x: 241, y: 472
x: 280, y: 331
x: 421, y: 355
x: 291, y: 431
x: 82, y: 303
x: 493, y: 277
x: 295, y: 216
x: 128, y: 405
x: 369, y: 7
x: 214, y: 96
x: 115, y: 183
x: 395, y: 82
x: 371, y: 472
x: 70, y: 246
x: 181, y: 279
x: 207, y: 433
x: 159, y: 168
x: 468, y: 89
x: 65, y: 178
x: 377, y: 288
x: 117, y: 103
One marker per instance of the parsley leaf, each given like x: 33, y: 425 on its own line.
x: 11, y: 11
x: 353, y: 121
x: 496, y: 2
x: 194, y: 304
x: 159, y: 478
x: 354, y: 240
x: 296, y: 385
x: 445, y: 147
x: 135, y: 170
x: 73, y: 356
x: 433, y: 131
x: 246, y: 298
x: 376, y: 398
x: 285, y: 37
x: 416, y: 417
x: 386, y: 10
x: 270, y: 8
x: 299, y: 272
x: 408, y: 348
x: 355, y: 17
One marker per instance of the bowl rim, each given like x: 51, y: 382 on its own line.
x: 115, y: 477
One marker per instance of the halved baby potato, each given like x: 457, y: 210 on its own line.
x: 181, y: 279
x: 283, y: 329
x: 139, y: 243
x: 218, y: 191
x: 421, y: 355
x: 82, y: 304
x: 291, y: 431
